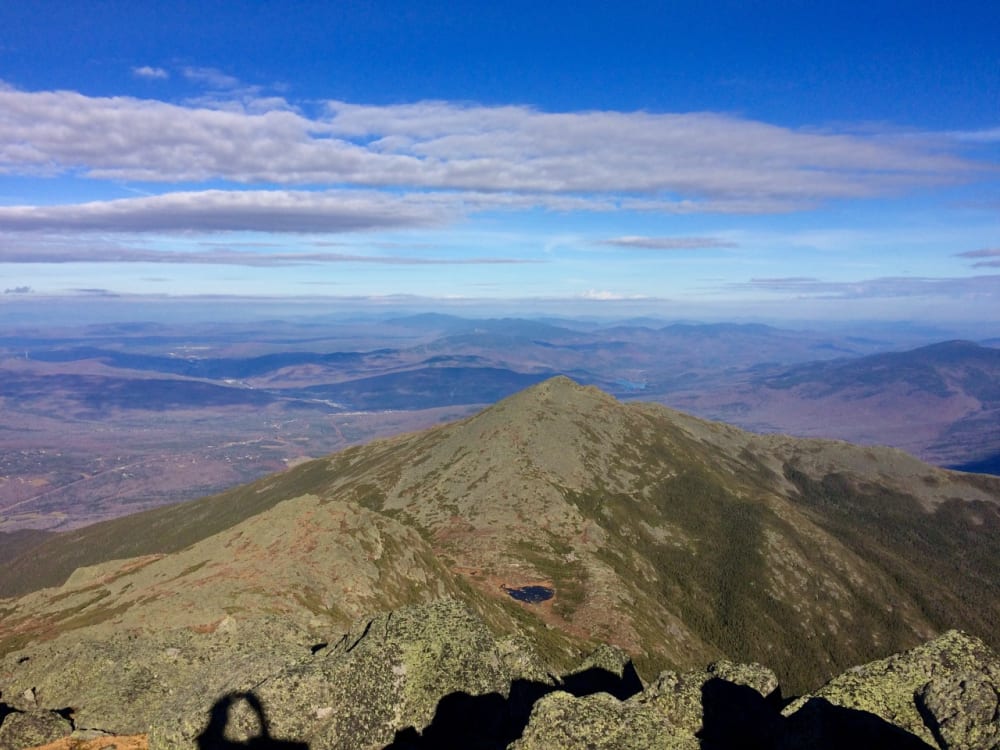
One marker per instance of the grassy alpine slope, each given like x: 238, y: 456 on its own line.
x: 677, y: 539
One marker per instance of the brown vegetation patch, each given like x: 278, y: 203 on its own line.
x: 130, y: 742
x: 207, y: 628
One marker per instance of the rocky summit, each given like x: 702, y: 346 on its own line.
x: 556, y: 571
x: 434, y: 676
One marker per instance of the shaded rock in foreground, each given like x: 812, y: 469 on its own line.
x: 678, y: 711
x: 21, y: 729
x: 435, y: 676
x: 943, y: 694
x: 494, y: 721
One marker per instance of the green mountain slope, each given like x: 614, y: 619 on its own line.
x: 677, y: 539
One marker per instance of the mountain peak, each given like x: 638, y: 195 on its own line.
x: 633, y: 521
x: 561, y: 392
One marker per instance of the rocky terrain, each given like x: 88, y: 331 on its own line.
x: 434, y: 676
x: 509, y: 569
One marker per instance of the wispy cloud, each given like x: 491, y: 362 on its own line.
x: 111, y: 253
x: 147, y: 71
x: 298, y: 211
x: 94, y: 292
x: 668, y: 243
x: 212, y: 77
x: 607, y: 296
x: 992, y: 254
x: 988, y: 135
x: 879, y: 288
x: 221, y: 210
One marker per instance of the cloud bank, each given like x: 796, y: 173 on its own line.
x: 699, y: 157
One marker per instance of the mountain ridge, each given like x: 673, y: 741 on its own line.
x: 640, y: 520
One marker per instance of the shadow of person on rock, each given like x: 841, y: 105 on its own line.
x: 492, y: 721
x: 214, y: 735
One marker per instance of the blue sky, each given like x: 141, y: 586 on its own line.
x: 782, y: 160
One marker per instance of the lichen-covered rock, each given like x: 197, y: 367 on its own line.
x: 607, y: 657
x: 943, y: 692
x: 963, y: 709
x: 607, y: 669
x: 392, y: 672
x: 123, y: 682
x: 599, y: 722
x: 23, y: 729
x: 689, y: 698
x: 755, y: 676
x: 697, y: 709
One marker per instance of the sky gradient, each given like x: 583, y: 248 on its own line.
x: 738, y: 160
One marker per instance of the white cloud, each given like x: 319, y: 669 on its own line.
x: 295, y: 211
x: 680, y: 163
x: 668, y: 243
x: 606, y: 296
x: 83, y: 253
x: 989, y: 135
x: 147, y: 71
x: 222, y: 210
x: 211, y: 77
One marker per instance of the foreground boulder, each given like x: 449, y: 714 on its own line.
x: 390, y: 675
x: 435, y: 676
x: 726, y: 705
x: 945, y: 692
x: 943, y: 695
x: 21, y: 729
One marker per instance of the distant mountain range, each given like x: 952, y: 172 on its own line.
x: 940, y: 402
x: 561, y: 517
x: 118, y: 419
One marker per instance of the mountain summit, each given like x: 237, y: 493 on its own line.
x: 559, y: 516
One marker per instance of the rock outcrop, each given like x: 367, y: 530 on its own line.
x: 941, y: 695
x: 945, y: 692
x: 26, y: 728
x: 436, y: 676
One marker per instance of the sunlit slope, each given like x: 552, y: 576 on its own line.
x: 678, y: 539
